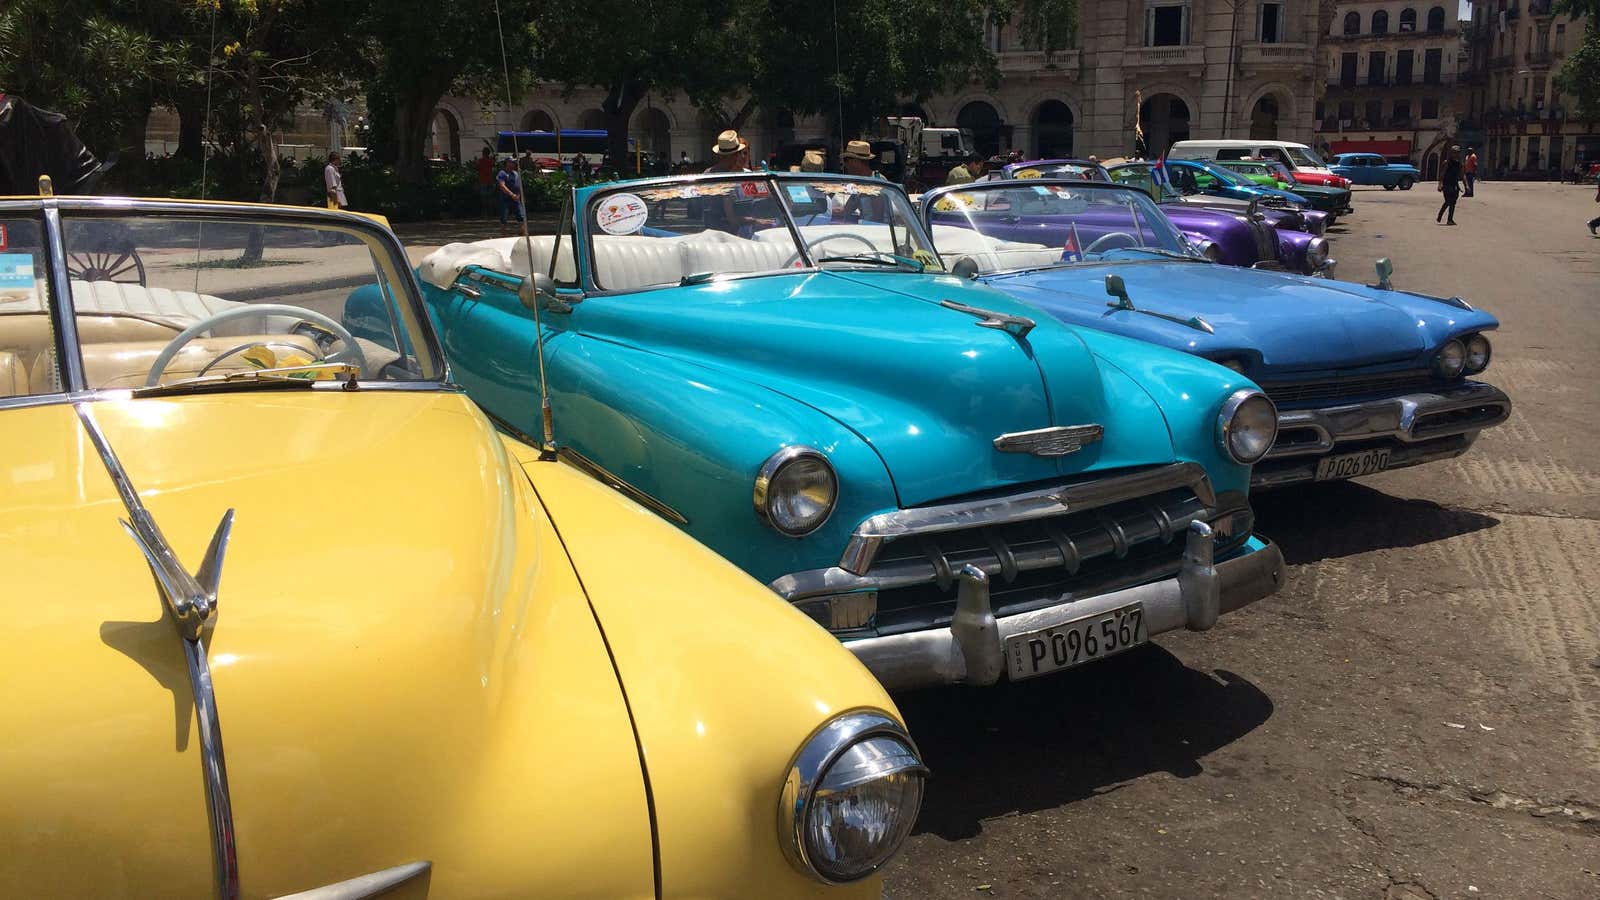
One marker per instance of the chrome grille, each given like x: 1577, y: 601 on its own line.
x: 1266, y: 238
x: 1337, y: 389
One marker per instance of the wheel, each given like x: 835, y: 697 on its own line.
x: 106, y: 265
x: 1405, y: 182
x: 1388, y: 187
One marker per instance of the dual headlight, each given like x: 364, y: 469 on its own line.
x: 796, y: 490
x: 850, y: 797
x: 1247, y: 426
x: 1463, y: 356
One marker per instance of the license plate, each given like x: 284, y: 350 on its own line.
x: 1352, y: 465
x: 1075, y: 643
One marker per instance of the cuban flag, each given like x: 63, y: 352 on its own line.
x: 1158, y: 172
x: 1072, y: 250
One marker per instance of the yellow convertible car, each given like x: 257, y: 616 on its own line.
x: 288, y: 617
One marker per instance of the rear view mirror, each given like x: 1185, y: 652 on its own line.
x: 537, y: 289
x: 965, y: 267
x: 1385, y: 270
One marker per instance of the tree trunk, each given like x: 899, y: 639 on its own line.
x: 744, y: 114
x: 618, y: 106
x: 130, y: 144
x: 413, y: 113
x: 191, y: 109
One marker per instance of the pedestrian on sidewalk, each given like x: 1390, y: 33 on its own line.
x: 1595, y: 222
x: 508, y: 184
x: 333, y: 181
x: 1449, y: 185
x: 486, y: 180
x: 1469, y: 168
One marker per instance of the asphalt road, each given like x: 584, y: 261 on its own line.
x: 1415, y: 715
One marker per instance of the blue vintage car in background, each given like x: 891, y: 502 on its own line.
x: 1190, y: 176
x: 1370, y: 168
x: 1364, y: 378
x: 959, y: 488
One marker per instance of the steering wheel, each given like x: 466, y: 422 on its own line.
x: 352, y: 352
x: 1112, y: 241
x: 828, y: 237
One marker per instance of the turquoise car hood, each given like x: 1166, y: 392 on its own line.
x: 1295, y: 322
x: 925, y: 386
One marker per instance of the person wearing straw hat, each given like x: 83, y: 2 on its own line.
x: 733, y: 213
x: 857, y: 159
x: 812, y: 162
x: 731, y: 152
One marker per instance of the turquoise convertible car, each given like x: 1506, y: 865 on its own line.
x: 957, y: 487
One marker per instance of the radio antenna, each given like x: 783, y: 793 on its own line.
x: 211, y: 67
x: 548, y: 445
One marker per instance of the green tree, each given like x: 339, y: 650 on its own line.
x: 1580, y: 73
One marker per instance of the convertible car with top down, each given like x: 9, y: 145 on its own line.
x: 1363, y: 378
x: 290, y: 618
x: 959, y: 489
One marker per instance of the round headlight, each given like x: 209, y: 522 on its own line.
x: 1477, y: 354
x: 1316, y: 252
x: 1451, y: 359
x: 795, y: 490
x: 1247, y: 426
x: 850, y: 797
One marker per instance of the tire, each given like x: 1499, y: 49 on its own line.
x: 1405, y: 182
x: 1388, y: 187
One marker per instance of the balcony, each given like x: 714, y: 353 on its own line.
x: 1502, y: 62
x: 1062, y: 63
x: 1190, y: 58
x: 1538, y: 59
x: 1540, y: 8
x: 1255, y: 56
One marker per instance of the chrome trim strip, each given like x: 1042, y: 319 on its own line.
x: 593, y: 470
x: 192, y: 601
x: 1391, y: 417
x: 1059, y: 440
x: 872, y: 533
x: 369, y: 885
x: 770, y: 468
x: 69, y: 360
x: 1230, y: 408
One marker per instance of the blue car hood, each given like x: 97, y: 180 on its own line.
x: 924, y: 385
x: 1295, y: 322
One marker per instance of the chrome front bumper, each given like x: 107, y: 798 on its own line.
x: 1423, y: 427
x: 972, y: 649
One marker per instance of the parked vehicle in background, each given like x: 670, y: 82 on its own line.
x: 1054, y: 168
x: 1205, y: 177
x: 1370, y: 168
x: 1335, y: 201
x: 1363, y: 378
x: 1237, y: 232
x: 926, y: 154
x: 409, y: 652
x: 1303, y: 163
x: 778, y: 364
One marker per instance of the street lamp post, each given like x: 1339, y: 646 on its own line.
x: 1227, y: 86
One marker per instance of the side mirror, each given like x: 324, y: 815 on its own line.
x: 1385, y: 270
x: 539, y: 290
x: 1117, y: 289
x: 965, y: 267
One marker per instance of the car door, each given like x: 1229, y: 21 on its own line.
x: 1360, y: 172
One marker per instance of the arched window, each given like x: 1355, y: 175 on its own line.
x: 1408, y: 19
x: 1352, y: 23
x: 1436, y: 20
x: 1380, y: 22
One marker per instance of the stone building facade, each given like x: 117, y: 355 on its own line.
x: 1525, y: 126
x: 1393, y: 71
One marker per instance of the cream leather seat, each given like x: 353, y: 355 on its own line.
x: 991, y: 254
x: 630, y: 262
x: 127, y: 364
x: 15, y: 379
x: 735, y: 256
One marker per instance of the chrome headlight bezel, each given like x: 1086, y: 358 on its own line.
x: 1479, y: 353
x: 1228, y: 425
x: 1207, y: 248
x: 812, y: 764
x: 1452, y: 349
x: 766, y: 489
x: 1316, y: 252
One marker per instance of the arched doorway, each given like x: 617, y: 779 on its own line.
x: 1052, y: 130
x: 653, y: 131
x: 985, y: 124
x: 444, y: 138
x: 592, y: 120
x: 536, y: 120
x: 1264, y: 119
x: 1166, y: 121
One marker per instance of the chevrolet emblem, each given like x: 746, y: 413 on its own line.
x: 1057, y: 441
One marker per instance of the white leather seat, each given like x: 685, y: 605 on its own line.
x: 441, y: 267
x: 991, y: 254
x: 735, y: 256
x: 626, y: 263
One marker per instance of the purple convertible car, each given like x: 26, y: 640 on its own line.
x: 1231, y: 232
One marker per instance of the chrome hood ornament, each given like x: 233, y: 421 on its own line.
x: 1058, y: 441
x: 1016, y: 326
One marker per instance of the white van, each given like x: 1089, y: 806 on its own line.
x: 1295, y: 156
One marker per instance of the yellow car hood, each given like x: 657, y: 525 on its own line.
x: 406, y: 667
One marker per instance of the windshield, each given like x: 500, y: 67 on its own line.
x: 1054, y: 223
x: 690, y: 231
x: 164, y: 298
x: 1305, y: 157
x: 1085, y: 171
x: 1224, y: 176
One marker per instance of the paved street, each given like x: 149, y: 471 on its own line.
x: 1416, y: 715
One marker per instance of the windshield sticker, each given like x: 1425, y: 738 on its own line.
x: 1041, y: 190
x: 753, y: 189
x: 799, y: 194
x: 688, y: 191
x: 621, y: 214
x: 954, y: 202
x: 1026, y: 173
x: 16, y: 277
x: 846, y: 187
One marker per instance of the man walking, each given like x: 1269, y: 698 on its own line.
x: 1449, y: 185
x: 508, y: 185
x: 1595, y: 222
x: 333, y: 181
x: 1470, y: 169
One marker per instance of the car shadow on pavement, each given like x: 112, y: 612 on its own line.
x: 1038, y: 744
x: 1345, y: 518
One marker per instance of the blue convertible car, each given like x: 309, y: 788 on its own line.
x: 1364, y: 378
x: 957, y: 487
